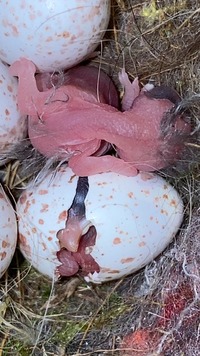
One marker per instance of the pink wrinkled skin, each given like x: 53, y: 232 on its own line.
x: 79, y: 261
x: 77, y: 123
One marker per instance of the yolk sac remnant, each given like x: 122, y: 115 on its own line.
x: 75, y: 246
x: 79, y: 262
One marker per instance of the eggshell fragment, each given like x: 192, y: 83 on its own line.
x: 53, y: 34
x: 135, y: 219
x: 13, y: 126
x: 8, y: 232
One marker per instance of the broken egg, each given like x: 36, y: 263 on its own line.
x: 13, y: 126
x: 103, y: 226
x: 8, y: 232
x: 53, y: 34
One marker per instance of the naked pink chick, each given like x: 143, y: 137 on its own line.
x: 77, y: 121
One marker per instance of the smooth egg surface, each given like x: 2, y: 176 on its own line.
x: 8, y: 232
x: 13, y: 126
x: 135, y: 219
x: 53, y: 34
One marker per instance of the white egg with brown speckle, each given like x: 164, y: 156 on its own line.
x: 13, y: 126
x: 53, y: 34
x: 103, y: 226
x: 8, y: 232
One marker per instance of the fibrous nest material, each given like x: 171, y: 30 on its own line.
x: 157, y: 310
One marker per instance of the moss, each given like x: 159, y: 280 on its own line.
x: 114, y: 308
x: 99, y: 317
x: 15, y: 347
x: 68, y: 331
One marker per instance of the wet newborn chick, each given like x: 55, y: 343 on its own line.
x: 79, y: 119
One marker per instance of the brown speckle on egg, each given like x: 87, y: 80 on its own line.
x: 117, y: 241
x: 109, y: 270
x: 173, y: 203
x: 146, y: 192
x: 44, y: 246
x: 165, y: 196
x: 10, y: 89
x: 27, y: 206
x: 113, y: 271
x: 5, y: 244
x: 3, y: 255
x: 127, y: 260
x: 63, y: 215
x: 49, y: 39
x: 43, y: 192
x: 146, y: 176
x: 52, y: 232
x: 23, y: 198
x: 15, y: 31
x: 24, y: 243
x: 45, y: 207
x: 41, y: 221
x: 66, y: 34
x: 163, y: 211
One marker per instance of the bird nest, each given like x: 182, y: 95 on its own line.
x: 155, y: 311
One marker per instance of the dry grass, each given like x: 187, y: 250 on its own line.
x: 158, y: 41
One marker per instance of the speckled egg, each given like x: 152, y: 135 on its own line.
x: 103, y: 226
x: 53, y: 34
x: 8, y: 232
x: 13, y: 126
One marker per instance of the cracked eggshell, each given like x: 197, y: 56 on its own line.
x: 8, y: 232
x: 135, y: 219
x: 53, y: 34
x: 13, y: 126
x: 42, y: 211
